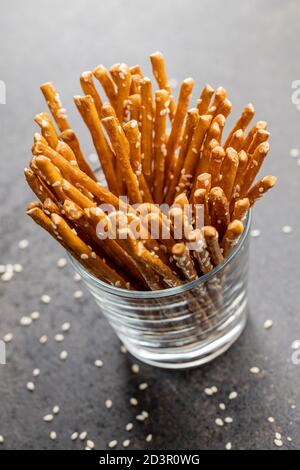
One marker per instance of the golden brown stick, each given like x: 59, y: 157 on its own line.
x: 37, y: 186
x: 184, y: 262
x: 162, y: 101
x: 159, y: 72
x: 134, y: 103
x: 219, y: 98
x: 240, y: 210
x: 215, y: 165
x: 219, y: 210
x: 201, y: 199
x: 102, y: 75
x: 233, y: 233
x: 260, y: 188
x: 39, y: 138
x: 55, y: 106
x: 87, y: 109
x: 236, y: 141
x: 88, y: 88
x: 257, y: 126
x: 123, y: 156
x: 70, y: 138
x: 225, y: 108
x: 147, y: 128
x: 254, y: 165
x: 178, y: 121
x: 190, y: 126
x: 50, y: 207
x: 204, y: 100
x: 211, y: 237
x: 213, y: 134
x: 122, y: 77
x: 135, y: 86
x: 241, y: 123
x: 243, y: 162
x: 47, y: 129
x: 203, y: 181
x: 260, y: 136
x: 136, y: 70
x: 221, y: 121
x: 65, y: 151
x: 134, y: 138
x: 229, y: 170
x: 197, y: 244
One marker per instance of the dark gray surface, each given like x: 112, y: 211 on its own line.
x: 251, y: 48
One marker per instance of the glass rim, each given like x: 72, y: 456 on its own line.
x: 169, y: 290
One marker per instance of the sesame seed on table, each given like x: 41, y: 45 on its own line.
x: 68, y: 382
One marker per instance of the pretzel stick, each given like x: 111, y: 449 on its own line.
x: 159, y: 229
x: 233, y: 233
x: 65, y: 151
x: 47, y: 129
x: 257, y: 126
x: 201, y: 199
x: 39, y: 138
x: 134, y: 103
x: 159, y: 72
x: 213, y: 133
x: 215, y: 164
x: 122, y: 153
x: 134, y: 138
x: 87, y: 110
x: 236, y: 141
x: 50, y: 207
x: 88, y: 88
x: 147, y: 128
x: 211, y: 237
x: 221, y: 121
x: 254, y: 165
x: 36, y: 185
x: 184, y: 262
x: 175, y: 134
x: 136, y: 70
x: 240, y: 210
x: 260, y: 136
x: 70, y: 138
x: 204, y: 100
x: 135, y: 85
x: 122, y: 77
x: 55, y: 106
x: 162, y: 101
x: 219, y: 210
x: 102, y: 75
x: 219, y: 98
x: 199, y: 249
x: 190, y: 126
x: 225, y: 108
x: 204, y: 182
x: 229, y: 170
x: 260, y: 188
x: 241, y: 123
x: 243, y: 163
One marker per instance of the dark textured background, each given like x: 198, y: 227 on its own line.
x: 251, y: 48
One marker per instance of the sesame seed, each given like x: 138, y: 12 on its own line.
x: 1, y: 439
x: 23, y: 244
x: 126, y: 443
x: 145, y: 414
x: 112, y: 444
x: 77, y: 277
x: 271, y: 419
x: 74, y: 436
x: 83, y: 435
x: 232, y: 395
x: 296, y: 344
x: 8, y: 274
x: 48, y: 418
x: 228, y: 446
x: 63, y: 355
x: 143, y: 386
x: 108, y: 404
x: 98, y: 363
x: 43, y: 339
x: 140, y: 417
x: 268, y: 324
x: 135, y: 368
x: 59, y: 337
x: 278, y: 435
x: 294, y: 153
x: 46, y: 299
x: 78, y: 294
x: 219, y: 422
x: 90, y: 444
x: 8, y: 337
x: 222, y: 406
x: 36, y: 372
x: 214, y: 389
x: 254, y: 370
x: 61, y: 262
x: 25, y: 321
x: 66, y: 326
x: 287, y: 229
x: 35, y: 315
x: 255, y: 233
x: 87, y: 448
x: 123, y: 349
x: 129, y: 426
x: 30, y: 386
x: 55, y: 409
x: 84, y: 256
x: 208, y: 391
x: 278, y: 442
x: 228, y: 420
x: 148, y: 438
x: 18, y: 268
x: 52, y: 435
x: 133, y: 401
x: 289, y: 439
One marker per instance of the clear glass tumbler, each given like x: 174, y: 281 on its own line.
x: 183, y: 326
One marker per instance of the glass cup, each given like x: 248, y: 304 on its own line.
x: 184, y: 326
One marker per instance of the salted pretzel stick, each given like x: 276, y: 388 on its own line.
x: 123, y: 156
x: 37, y: 185
x: 55, y: 106
x: 229, y: 170
x: 135, y: 85
x: 190, y: 126
x: 147, y: 128
x: 236, y: 141
x: 241, y: 123
x: 240, y: 209
x: 88, y: 88
x: 204, y: 100
x: 162, y: 101
x: 70, y: 138
x: 50, y: 207
x: 108, y: 85
x: 184, y: 262
x: 177, y: 124
x: 196, y: 239
x: 243, y: 163
x: 192, y: 156
x: 134, y: 138
x: 260, y: 136
x: 257, y: 126
x: 254, y: 165
x: 47, y: 128
x: 134, y: 103
x: 37, y: 137
x: 122, y: 77
x: 213, y: 133
x: 215, y: 164
x: 160, y: 74
x: 219, y: 98
x: 212, y: 241
x: 65, y: 151
x: 136, y: 70
x: 219, y: 210
x: 203, y: 181
x: 233, y: 233
x: 160, y: 230
x: 260, y: 188
x: 221, y: 121
x: 87, y: 110
x: 201, y: 199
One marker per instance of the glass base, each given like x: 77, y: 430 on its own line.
x: 197, y: 353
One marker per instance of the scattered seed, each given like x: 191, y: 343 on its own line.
x: 52, y: 435
x: 83, y: 435
x: 143, y: 386
x: 90, y: 444
x: 133, y: 401
x: 135, y: 368
x: 77, y: 277
x: 25, y: 321
x: 18, y: 268
x: 35, y: 315
x: 294, y: 152
x: 61, y: 262
x: 278, y: 442
x: 43, y: 339
x: 123, y: 349
x: 98, y: 363
x: 59, y: 337
x: 48, y: 418
x: 228, y: 420
x: 8, y: 275
x: 63, y: 355
x: 255, y: 370
x: 30, y: 386
x: 255, y: 233
x: 112, y: 444
x: 271, y: 419
x: 108, y: 404
x: 23, y: 244
x: 296, y: 344
x: 78, y: 294
x: 126, y: 443
x: 287, y: 229
x: 66, y: 326
x: 289, y: 439
x: 232, y: 395
x: 219, y: 422
x: 129, y: 426
x: 56, y: 409
x: 36, y: 372
x: 1, y: 439
x: 222, y: 406
x: 214, y: 389
x: 74, y: 436
x: 228, y: 446
x: 46, y: 299
x: 148, y: 438
x: 8, y: 337
x: 268, y: 324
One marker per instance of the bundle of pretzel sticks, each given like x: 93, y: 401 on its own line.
x: 154, y: 152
